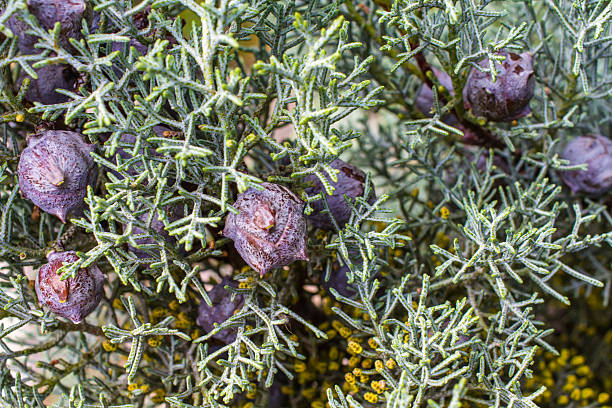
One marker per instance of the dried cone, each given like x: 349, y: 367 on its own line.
x: 508, y: 97
x: 223, y: 307
x: 73, y: 298
x: 596, y: 152
x: 351, y: 182
x: 269, y: 230
x: 55, y: 170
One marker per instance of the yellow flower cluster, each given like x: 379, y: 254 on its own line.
x: 138, y: 388
x: 108, y: 346
x: 354, y: 347
x: 357, y: 365
x: 571, y: 371
x: 183, y: 321
x: 158, y: 395
x: 154, y: 341
x: 371, y: 397
x: 379, y: 386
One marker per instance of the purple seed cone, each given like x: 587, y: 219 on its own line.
x: 595, y: 151
x: 508, y: 97
x: 269, y: 230
x: 174, y: 213
x: 73, y: 298
x: 339, y: 281
x: 124, y: 48
x: 69, y: 13
x: 424, y: 101
x: 350, y: 182
x: 137, y: 167
x: 277, y: 398
x: 96, y: 16
x: 50, y: 78
x: 55, y: 170
x: 223, y: 307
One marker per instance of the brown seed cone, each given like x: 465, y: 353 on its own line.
x: 73, y: 298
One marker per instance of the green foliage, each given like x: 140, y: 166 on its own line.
x: 471, y: 240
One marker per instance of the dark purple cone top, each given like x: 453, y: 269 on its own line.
x: 350, y: 182
x: 73, y: 298
x: 339, y: 281
x: 125, y: 47
x: 424, y: 101
x: 223, y: 307
x: 55, y: 170
x: 595, y: 151
x: 269, y: 230
x: 69, y: 13
x: 508, y: 97
x: 50, y: 78
x: 96, y: 16
x: 174, y: 213
x: 277, y: 398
